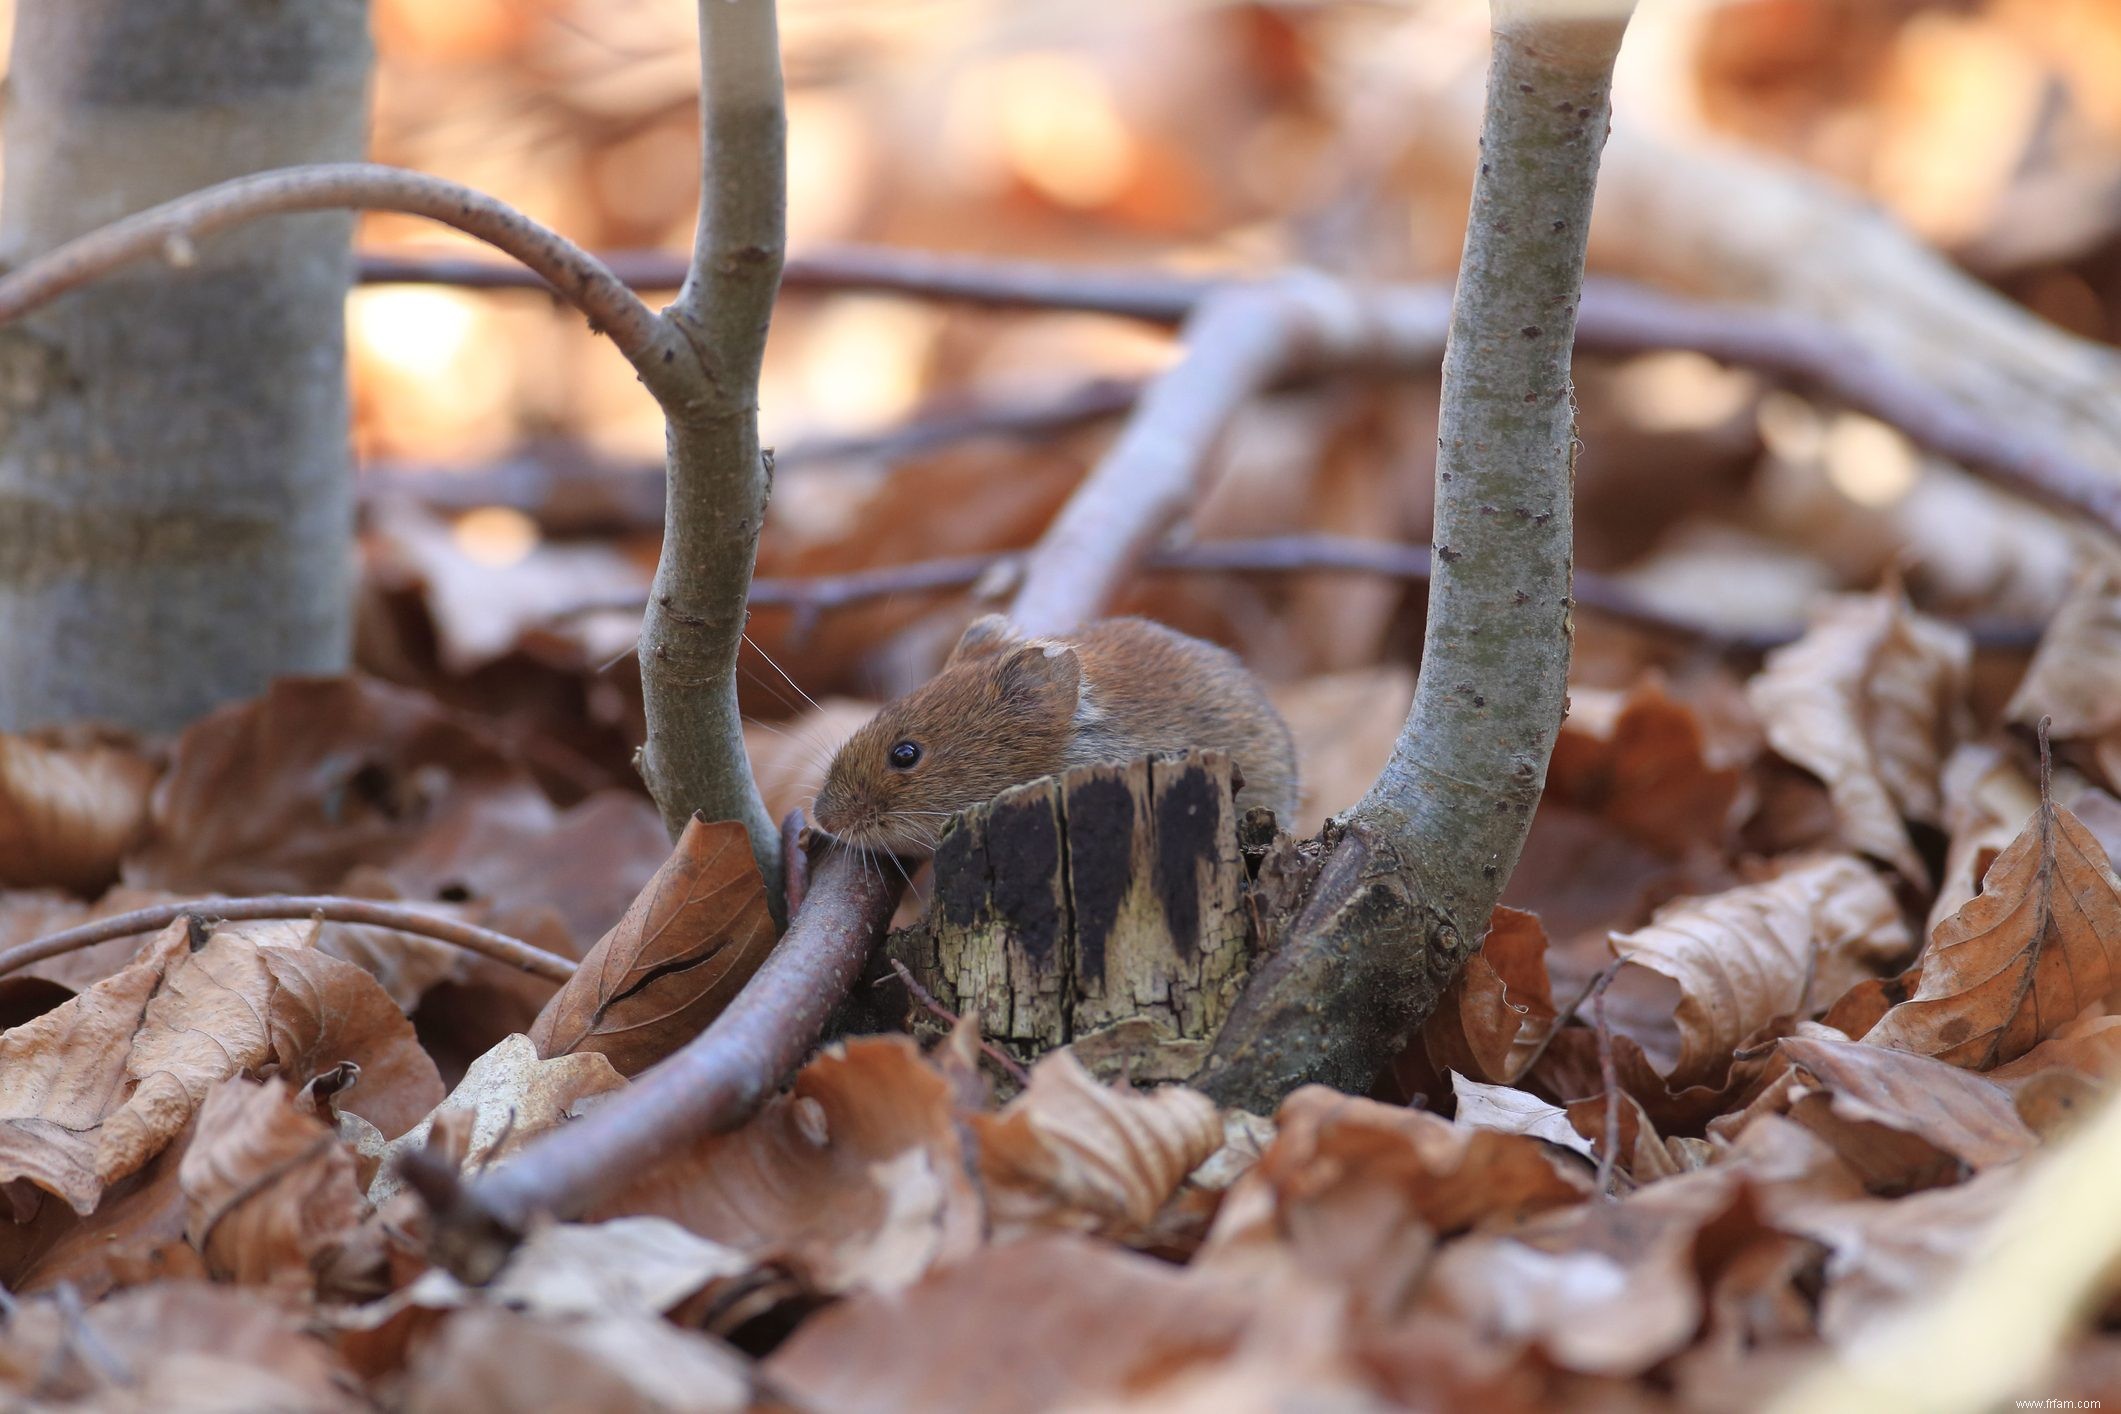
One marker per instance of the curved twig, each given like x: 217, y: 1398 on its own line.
x: 169, y: 230
x: 720, y: 1077
x: 401, y: 918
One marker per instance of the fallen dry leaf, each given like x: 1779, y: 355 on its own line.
x: 481, y: 610
x: 2075, y: 676
x: 1901, y: 1120
x: 1743, y: 958
x: 1645, y: 768
x: 2039, y: 944
x: 1882, y: 1251
x: 174, y: 1345
x: 1987, y: 801
x: 1500, y: 1008
x: 510, y: 1096
x: 494, y: 1359
x: 1072, y: 1153
x: 1040, y: 1324
x: 1602, y: 1288
x: 1869, y: 701
x: 517, y: 852
x: 136, y: 1235
x: 93, y: 1089
x: 70, y: 807
x: 238, y: 1006
x: 1508, y: 1111
x: 668, y: 967
x: 855, y: 1178
x: 331, y: 772
x: 1358, y: 1194
x: 62, y: 1073
x: 269, y: 1193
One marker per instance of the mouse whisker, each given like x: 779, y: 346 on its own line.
x: 783, y: 672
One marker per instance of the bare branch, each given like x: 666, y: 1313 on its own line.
x: 568, y: 492
x: 2023, y: 454
x: 1154, y: 296
x: 720, y: 1077
x: 1239, y: 342
x: 169, y: 232
x: 1274, y: 554
x: 398, y: 917
x: 1405, y: 896
x: 693, y: 758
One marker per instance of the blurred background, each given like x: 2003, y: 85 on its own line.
x: 509, y: 456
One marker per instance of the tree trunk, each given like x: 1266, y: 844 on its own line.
x: 176, y: 499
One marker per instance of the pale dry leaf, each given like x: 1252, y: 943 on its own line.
x: 63, y: 1072
x: 1882, y: 1252
x: 1029, y: 1326
x: 1073, y: 1153
x: 2075, y: 676
x: 1987, y: 801
x: 1508, y: 1111
x: 70, y: 807
x: 511, y: 1095
x: 1745, y: 957
x: 678, y: 956
x: 625, y: 1267
x: 1865, y: 1089
x: 1870, y: 701
x: 2039, y: 944
x: 1357, y: 1195
x: 269, y: 1193
x: 1499, y: 1010
x: 233, y: 1006
x: 855, y: 1178
x: 482, y: 611
x: 180, y: 1345
x: 494, y: 1359
x: 1601, y: 1288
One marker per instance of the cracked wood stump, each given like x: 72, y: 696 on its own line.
x: 1104, y: 909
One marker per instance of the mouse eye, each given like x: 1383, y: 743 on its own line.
x: 905, y: 756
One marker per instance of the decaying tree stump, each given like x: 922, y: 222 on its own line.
x: 1104, y: 909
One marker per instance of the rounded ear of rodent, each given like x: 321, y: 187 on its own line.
x: 1045, y: 673
x: 984, y: 637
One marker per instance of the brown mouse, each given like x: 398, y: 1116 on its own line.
x: 1006, y: 709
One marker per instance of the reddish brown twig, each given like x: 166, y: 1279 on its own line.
x: 1009, y: 1065
x: 398, y: 917
x: 720, y: 1077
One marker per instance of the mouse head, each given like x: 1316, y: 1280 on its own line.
x: 1002, y: 711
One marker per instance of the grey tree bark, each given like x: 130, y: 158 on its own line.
x: 176, y: 499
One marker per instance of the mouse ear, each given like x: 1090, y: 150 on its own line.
x: 986, y: 636
x: 1042, y: 673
